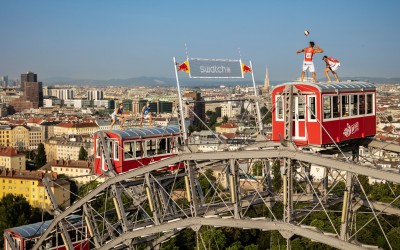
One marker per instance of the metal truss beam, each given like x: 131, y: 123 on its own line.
x: 246, y: 154
x: 92, y: 226
x: 9, y: 243
x: 62, y: 223
x: 265, y: 225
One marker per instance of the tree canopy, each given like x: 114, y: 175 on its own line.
x: 40, y: 159
x: 83, y: 154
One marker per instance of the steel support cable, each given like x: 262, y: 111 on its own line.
x: 242, y: 118
x: 137, y: 202
x: 259, y: 194
x: 391, y: 189
x: 320, y: 123
x: 373, y: 211
x: 216, y: 191
x: 313, y: 210
x: 261, y: 154
x: 303, y: 193
x: 322, y: 126
x: 322, y: 205
x: 206, y: 126
x: 165, y: 191
x: 390, y: 141
x: 213, y: 198
x: 327, y: 131
x: 172, y: 189
x: 65, y: 189
x: 55, y: 183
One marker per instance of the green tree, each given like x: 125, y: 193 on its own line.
x: 86, y: 188
x: 213, y: 239
x: 218, y: 111
x: 276, y: 181
x: 40, y: 159
x: 225, y: 119
x: 257, y: 168
x: 394, y: 238
x: 170, y: 244
x: 235, y: 246
x: 266, y: 114
x: 73, y: 187
x: 389, y: 118
x: 30, y: 155
x: 205, y: 181
x: 83, y: 154
x: 251, y: 247
x: 14, y: 211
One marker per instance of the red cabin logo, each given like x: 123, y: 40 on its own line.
x: 349, y: 130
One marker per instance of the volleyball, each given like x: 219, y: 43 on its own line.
x: 306, y: 32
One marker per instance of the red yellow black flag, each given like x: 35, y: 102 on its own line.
x: 184, y: 67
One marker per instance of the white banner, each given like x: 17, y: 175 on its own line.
x: 215, y: 68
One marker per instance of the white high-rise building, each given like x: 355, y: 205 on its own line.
x: 226, y: 109
x: 95, y: 95
x: 4, y: 81
x: 65, y: 94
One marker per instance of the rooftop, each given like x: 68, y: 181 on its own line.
x: 9, y: 151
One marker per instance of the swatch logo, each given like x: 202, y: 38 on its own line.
x: 214, y: 69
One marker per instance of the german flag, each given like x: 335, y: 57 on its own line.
x: 245, y: 68
x: 184, y: 67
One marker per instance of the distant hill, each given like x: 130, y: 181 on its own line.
x: 371, y: 79
x: 164, y: 81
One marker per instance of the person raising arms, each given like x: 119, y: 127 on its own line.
x: 308, y: 59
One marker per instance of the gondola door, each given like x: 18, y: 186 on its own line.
x: 109, y: 151
x: 299, y: 117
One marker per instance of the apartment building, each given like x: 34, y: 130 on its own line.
x: 79, y: 171
x: 5, y: 136
x: 11, y: 159
x: 66, y: 148
x: 29, y: 184
x: 20, y: 137
x: 75, y: 128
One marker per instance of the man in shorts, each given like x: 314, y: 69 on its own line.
x: 308, y: 59
x: 331, y: 65
x: 118, y: 115
x: 146, y: 114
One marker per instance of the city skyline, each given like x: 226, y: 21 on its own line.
x: 117, y: 40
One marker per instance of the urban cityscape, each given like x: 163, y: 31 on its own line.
x: 57, y: 123
x: 199, y: 125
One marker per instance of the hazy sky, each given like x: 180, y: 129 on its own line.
x: 101, y: 39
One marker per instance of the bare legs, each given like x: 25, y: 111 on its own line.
x: 333, y: 73
x: 121, y: 122
x: 150, y: 120
x: 313, y: 75
x: 336, y: 76
x: 112, y: 123
x: 327, y: 74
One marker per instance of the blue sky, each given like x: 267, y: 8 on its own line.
x: 103, y: 40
